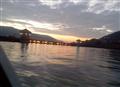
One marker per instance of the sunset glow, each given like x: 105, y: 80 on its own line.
x: 66, y: 38
x: 65, y: 20
x: 31, y: 25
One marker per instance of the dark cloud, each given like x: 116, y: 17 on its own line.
x: 75, y: 18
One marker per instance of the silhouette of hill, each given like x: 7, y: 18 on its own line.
x: 111, y: 41
x: 9, y: 31
x: 12, y: 32
x: 111, y: 38
x: 42, y: 37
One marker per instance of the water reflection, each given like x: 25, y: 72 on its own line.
x: 77, y: 52
x: 114, y: 66
x: 24, y: 49
x: 77, y: 57
x: 55, y: 66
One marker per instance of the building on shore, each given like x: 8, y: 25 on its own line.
x: 25, y: 36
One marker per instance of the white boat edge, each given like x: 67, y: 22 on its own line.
x: 8, y: 69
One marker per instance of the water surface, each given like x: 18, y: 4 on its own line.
x: 40, y: 65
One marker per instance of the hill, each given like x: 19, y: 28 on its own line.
x: 12, y: 32
x: 42, y: 37
x: 111, y: 41
x: 111, y: 38
x: 9, y: 31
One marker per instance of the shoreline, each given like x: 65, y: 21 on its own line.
x: 70, y: 45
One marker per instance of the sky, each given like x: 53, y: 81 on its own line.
x: 66, y: 20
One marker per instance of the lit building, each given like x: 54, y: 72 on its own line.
x: 25, y: 36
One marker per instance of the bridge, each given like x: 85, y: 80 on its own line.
x: 25, y: 38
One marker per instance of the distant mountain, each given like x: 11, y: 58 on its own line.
x: 114, y: 37
x: 111, y: 41
x: 10, y: 31
x: 42, y: 37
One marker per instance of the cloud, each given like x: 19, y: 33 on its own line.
x: 32, y: 4
x: 81, y: 18
x: 76, y: 1
x: 55, y: 4
x: 51, y: 3
x: 33, y: 24
x: 12, y: 1
x: 94, y: 6
x: 103, y: 28
x: 15, y: 25
x: 1, y: 9
x: 110, y: 31
x: 101, y: 6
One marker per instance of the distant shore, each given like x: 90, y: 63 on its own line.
x: 69, y: 44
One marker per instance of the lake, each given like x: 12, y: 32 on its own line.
x: 41, y: 65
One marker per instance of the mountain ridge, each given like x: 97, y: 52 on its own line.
x: 113, y: 37
x: 10, y: 31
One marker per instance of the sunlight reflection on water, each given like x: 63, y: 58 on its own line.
x: 40, y: 65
